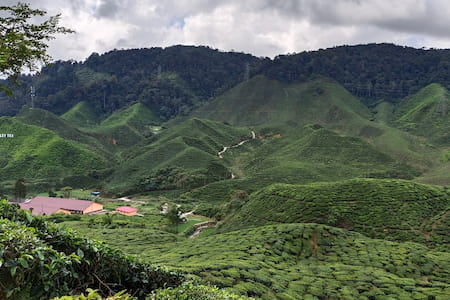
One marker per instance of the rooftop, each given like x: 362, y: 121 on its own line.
x: 126, y: 209
x: 49, y: 205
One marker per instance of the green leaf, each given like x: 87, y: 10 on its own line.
x: 13, y: 271
x: 80, y: 253
x: 23, y: 262
x: 28, y: 216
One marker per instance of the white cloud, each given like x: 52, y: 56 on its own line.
x: 261, y: 27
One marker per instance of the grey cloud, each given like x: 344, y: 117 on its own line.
x: 262, y: 27
x: 107, y: 8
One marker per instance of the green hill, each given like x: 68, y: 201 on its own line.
x: 272, y: 107
x: 64, y: 129
x: 300, y: 156
x: 426, y: 113
x: 393, y: 209
x: 126, y: 127
x: 38, y: 153
x: 136, y: 115
x: 265, y: 102
x: 191, y: 146
x: 82, y: 114
x: 313, y: 153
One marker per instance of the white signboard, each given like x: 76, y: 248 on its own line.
x: 6, y: 135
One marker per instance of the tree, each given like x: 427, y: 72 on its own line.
x: 23, y: 44
x: 20, y: 189
x: 66, y: 191
x: 174, y: 216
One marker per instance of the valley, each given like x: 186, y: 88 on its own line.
x: 305, y: 186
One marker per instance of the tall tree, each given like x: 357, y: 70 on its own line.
x: 23, y: 44
x: 20, y: 189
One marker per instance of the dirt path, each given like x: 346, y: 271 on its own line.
x: 125, y: 199
x: 225, y: 148
x: 201, y: 226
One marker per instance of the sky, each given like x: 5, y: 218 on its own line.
x: 261, y: 27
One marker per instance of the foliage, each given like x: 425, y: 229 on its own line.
x: 189, y: 291
x: 392, y: 209
x: 169, y: 81
x: 45, y: 260
x: 174, y: 215
x: 20, y: 189
x: 94, y: 295
x: 373, y: 72
x: 302, y: 261
x: 24, y: 44
x: 66, y: 191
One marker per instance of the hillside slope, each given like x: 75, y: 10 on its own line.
x: 426, y: 113
x: 191, y: 147
x: 81, y: 114
x: 393, y: 209
x: 125, y: 127
x: 38, y: 153
x: 272, y: 107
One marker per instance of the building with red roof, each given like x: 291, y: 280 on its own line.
x: 50, y: 205
x: 127, y: 210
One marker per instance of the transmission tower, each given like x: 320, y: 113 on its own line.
x: 32, y: 95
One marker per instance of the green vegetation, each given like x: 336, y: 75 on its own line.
x: 24, y: 42
x: 38, y: 153
x: 426, y: 113
x: 310, y: 155
x: 303, y: 261
x: 392, y: 209
x: 82, y: 114
x: 40, y: 260
x: 191, y: 146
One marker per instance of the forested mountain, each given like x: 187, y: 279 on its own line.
x: 373, y: 72
x: 169, y: 81
x: 172, y: 80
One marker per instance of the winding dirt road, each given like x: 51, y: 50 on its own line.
x: 225, y: 148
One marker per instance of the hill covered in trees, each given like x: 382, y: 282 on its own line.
x: 172, y: 80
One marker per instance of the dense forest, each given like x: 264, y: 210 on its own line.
x: 173, y: 80
x: 373, y: 72
x: 169, y: 81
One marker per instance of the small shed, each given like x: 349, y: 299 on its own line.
x: 127, y: 210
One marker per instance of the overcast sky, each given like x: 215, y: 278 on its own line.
x: 259, y: 27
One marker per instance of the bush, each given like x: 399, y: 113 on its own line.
x: 188, y: 291
x: 44, y: 260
